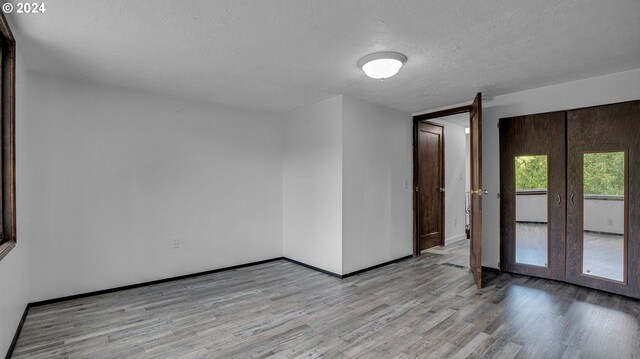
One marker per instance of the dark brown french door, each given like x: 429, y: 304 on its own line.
x: 603, y: 184
x: 570, y: 196
x: 532, y: 195
x: 428, y: 169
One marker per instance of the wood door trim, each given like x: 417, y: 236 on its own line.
x: 442, y: 181
x: 442, y: 113
x: 8, y: 152
x: 416, y: 240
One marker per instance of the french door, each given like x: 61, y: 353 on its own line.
x: 603, y: 211
x: 570, y: 196
x: 533, y: 195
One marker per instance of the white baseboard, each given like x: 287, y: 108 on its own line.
x: 454, y: 239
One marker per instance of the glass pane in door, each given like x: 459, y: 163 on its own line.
x: 531, y: 210
x: 603, y: 224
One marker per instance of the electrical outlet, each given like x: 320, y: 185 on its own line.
x: 609, y: 222
x: 455, y: 222
x: 175, y: 243
x: 406, y: 184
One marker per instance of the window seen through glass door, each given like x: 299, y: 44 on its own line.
x: 532, y: 224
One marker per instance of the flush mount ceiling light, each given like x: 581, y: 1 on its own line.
x: 382, y: 65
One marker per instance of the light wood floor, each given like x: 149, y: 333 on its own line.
x: 426, y: 308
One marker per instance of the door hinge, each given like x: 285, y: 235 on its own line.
x: 416, y: 189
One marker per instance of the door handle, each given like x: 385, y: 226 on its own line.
x: 441, y: 189
x: 572, y: 196
x: 479, y: 192
x: 559, y: 199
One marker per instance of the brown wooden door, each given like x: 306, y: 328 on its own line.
x: 430, y: 182
x: 533, y: 195
x: 603, y: 185
x: 475, y: 260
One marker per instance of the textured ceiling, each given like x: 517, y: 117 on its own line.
x: 459, y: 119
x: 281, y: 55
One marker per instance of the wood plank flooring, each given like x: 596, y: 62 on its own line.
x: 424, y: 307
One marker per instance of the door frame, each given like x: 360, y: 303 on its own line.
x: 416, y: 120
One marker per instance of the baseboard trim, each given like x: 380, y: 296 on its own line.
x: 314, y: 268
x: 489, y: 269
x: 144, y: 284
x: 377, y: 266
x: 191, y: 275
x: 14, y: 342
x: 347, y: 275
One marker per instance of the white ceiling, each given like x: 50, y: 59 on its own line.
x: 280, y: 55
x: 461, y: 119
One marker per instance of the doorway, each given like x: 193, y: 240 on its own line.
x: 431, y: 223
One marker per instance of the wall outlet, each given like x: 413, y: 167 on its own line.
x: 175, y: 243
x: 455, y: 222
x: 406, y: 184
x: 609, y: 222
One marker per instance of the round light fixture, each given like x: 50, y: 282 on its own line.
x: 382, y: 65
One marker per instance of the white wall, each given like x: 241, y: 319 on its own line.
x: 455, y: 153
x: 377, y: 182
x: 600, y: 215
x: 618, y: 87
x: 312, y: 185
x: 14, y: 270
x: 532, y: 208
x: 605, y: 216
x: 346, y: 185
x: 115, y: 174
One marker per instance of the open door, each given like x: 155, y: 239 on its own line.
x: 475, y: 262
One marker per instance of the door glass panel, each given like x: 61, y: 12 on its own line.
x: 531, y: 210
x: 603, y: 218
